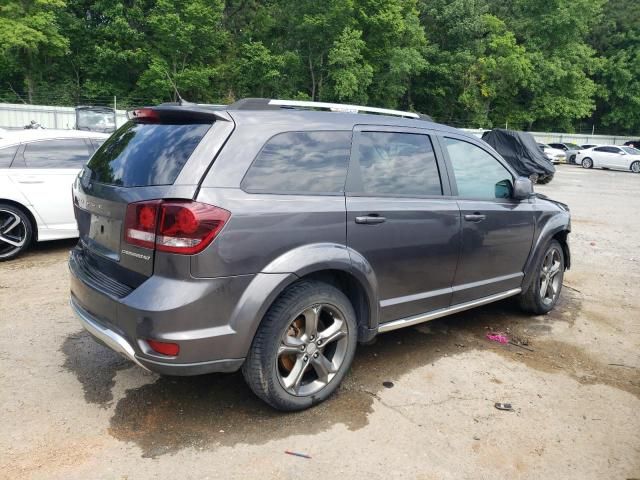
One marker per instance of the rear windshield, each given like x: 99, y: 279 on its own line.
x: 142, y: 154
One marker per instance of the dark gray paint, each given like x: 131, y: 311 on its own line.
x: 424, y: 257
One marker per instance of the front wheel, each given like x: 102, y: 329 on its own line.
x: 303, y: 348
x: 16, y: 232
x: 544, y: 291
x: 635, y: 167
x: 587, y: 163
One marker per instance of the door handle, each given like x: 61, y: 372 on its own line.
x: 370, y: 220
x: 475, y: 217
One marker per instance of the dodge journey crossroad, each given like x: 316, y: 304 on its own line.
x: 273, y: 236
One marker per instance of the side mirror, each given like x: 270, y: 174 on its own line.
x: 523, y: 188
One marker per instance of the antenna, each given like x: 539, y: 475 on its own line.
x: 181, y: 101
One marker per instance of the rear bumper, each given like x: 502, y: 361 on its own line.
x: 119, y: 344
x: 213, y: 320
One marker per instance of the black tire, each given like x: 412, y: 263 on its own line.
x: 546, y: 179
x: 587, y: 162
x: 572, y: 159
x: 261, y: 369
x: 532, y: 300
x: 635, y: 167
x: 15, y: 227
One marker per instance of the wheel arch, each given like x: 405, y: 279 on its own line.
x: 24, y: 209
x: 326, y: 262
x: 557, y: 228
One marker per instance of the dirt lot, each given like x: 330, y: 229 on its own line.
x: 71, y: 409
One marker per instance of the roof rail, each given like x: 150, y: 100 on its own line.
x: 341, y: 107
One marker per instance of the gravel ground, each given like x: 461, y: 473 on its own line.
x: 71, y: 409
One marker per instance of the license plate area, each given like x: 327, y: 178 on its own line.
x: 104, y: 236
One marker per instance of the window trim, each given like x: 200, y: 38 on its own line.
x: 476, y: 143
x: 255, y: 191
x: 354, y: 180
x: 15, y: 154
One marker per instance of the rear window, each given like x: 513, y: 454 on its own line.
x: 142, y: 154
x: 301, y: 163
x: 57, y: 153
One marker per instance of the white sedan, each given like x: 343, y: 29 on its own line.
x: 610, y: 156
x: 554, y: 155
x: 37, y: 169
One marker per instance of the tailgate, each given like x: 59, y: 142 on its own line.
x: 164, y: 156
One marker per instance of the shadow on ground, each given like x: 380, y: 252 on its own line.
x: 173, y: 413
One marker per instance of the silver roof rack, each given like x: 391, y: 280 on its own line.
x: 341, y: 107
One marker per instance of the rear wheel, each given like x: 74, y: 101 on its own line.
x: 587, y: 163
x: 635, y: 167
x: 543, y: 293
x: 16, y: 232
x: 303, y: 347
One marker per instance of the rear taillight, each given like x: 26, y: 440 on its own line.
x: 176, y: 226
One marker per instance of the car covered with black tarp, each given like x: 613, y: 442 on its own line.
x: 521, y: 150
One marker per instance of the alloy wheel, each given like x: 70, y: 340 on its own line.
x: 312, y: 350
x: 635, y: 167
x: 13, y: 233
x: 587, y: 163
x: 550, y: 277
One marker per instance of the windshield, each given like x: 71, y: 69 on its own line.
x: 631, y: 151
x: 573, y: 146
x: 96, y: 121
x: 140, y: 154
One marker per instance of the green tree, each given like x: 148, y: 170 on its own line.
x: 30, y: 38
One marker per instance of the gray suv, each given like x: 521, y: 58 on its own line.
x: 273, y: 236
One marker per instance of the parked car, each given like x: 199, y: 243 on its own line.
x: 273, y: 239
x: 554, y: 155
x: 632, y: 143
x: 521, y: 151
x: 611, y: 156
x: 37, y: 169
x: 570, y: 150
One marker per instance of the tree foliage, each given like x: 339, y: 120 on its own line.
x: 531, y: 64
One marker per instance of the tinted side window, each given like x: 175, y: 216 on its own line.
x: 477, y: 174
x: 600, y: 149
x: 301, y: 162
x: 398, y: 164
x: 6, y: 155
x: 68, y: 153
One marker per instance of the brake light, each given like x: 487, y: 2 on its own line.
x: 144, y: 115
x: 177, y: 226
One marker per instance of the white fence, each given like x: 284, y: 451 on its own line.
x: 15, y: 115
x: 579, y: 138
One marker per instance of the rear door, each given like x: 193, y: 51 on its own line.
x: 497, y: 230
x: 163, y: 156
x: 44, y: 172
x: 402, y: 219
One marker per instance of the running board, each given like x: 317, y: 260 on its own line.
x: 443, y: 312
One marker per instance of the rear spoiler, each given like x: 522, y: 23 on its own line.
x: 189, y: 113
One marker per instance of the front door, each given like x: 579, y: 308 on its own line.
x: 402, y: 219
x: 497, y: 230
